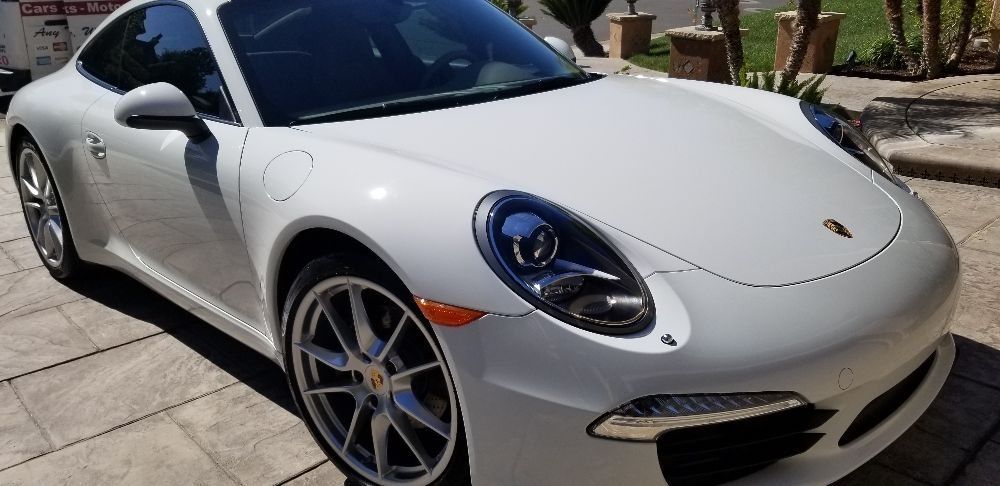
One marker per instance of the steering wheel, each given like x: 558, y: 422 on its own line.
x: 435, y: 69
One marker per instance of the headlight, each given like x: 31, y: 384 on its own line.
x: 850, y: 139
x: 558, y: 263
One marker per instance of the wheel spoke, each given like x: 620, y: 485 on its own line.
x: 32, y: 205
x: 409, y: 436
x: 330, y: 358
x: 404, y: 377
x: 362, y: 413
x: 345, y: 338
x: 368, y: 342
x: 30, y: 188
x: 383, y: 353
x: 410, y: 405
x: 356, y: 391
x: 380, y: 443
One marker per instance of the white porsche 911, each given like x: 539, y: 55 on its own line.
x: 477, y: 262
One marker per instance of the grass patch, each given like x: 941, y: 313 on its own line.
x: 864, y: 25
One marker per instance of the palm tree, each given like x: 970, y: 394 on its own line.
x: 729, y: 17
x: 577, y: 15
x: 932, y: 38
x: 894, y: 14
x: 806, y: 18
x: 962, y: 37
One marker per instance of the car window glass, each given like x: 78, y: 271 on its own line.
x: 303, y: 59
x: 165, y: 43
x: 102, y: 57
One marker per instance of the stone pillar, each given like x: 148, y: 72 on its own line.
x: 822, y: 43
x: 699, y: 54
x: 630, y: 34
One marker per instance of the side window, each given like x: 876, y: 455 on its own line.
x: 103, y: 55
x: 163, y: 43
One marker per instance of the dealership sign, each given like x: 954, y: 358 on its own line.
x: 34, y: 36
x: 84, y: 16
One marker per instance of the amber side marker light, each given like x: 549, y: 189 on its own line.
x: 446, y: 315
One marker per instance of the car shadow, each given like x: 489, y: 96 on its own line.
x: 128, y: 296
x: 936, y: 450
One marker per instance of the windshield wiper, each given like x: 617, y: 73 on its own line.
x: 447, y: 99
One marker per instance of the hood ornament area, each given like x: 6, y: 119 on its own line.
x: 836, y: 227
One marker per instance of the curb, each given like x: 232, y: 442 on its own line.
x: 887, y: 124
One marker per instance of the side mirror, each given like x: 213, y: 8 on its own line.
x: 160, y: 106
x: 562, y: 47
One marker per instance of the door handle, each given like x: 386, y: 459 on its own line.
x: 95, y: 145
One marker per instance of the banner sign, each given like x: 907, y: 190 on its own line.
x: 84, y: 16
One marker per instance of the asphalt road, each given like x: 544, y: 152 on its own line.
x: 669, y: 14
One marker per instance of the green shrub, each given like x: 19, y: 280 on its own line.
x: 809, y: 90
x: 882, y: 52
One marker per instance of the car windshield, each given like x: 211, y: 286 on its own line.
x: 315, y: 61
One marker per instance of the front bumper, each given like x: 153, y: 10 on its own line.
x: 530, y: 386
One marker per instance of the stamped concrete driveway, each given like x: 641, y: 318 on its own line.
x: 104, y: 382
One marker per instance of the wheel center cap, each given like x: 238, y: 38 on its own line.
x: 375, y: 379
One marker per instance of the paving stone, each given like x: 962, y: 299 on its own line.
x: 255, y: 439
x: 977, y: 361
x: 7, y: 184
x: 984, y: 468
x: 20, y: 438
x: 38, y: 340
x: 7, y: 265
x: 30, y: 291
x: 12, y: 227
x: 922, y: 456
x: 154, y: 451
x: 94, y: 394
x: 980, y: 279
x: 108, y: 327
x: 874, y: 474
x: 978, y: 323
x: 22, y: 251
x: 987, y: 239
x: 10, y: 203
x: 325, y: 475
x: 963, y: 414
x: 964, y: 209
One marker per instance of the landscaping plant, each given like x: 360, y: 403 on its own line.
x: 931, y: 56
x: 809, y: 90
x: 806, y: 17
x: 577, y: 15
x: 894, y: 14
x: 729, y: 17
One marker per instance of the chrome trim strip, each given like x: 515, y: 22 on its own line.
x: 647, y: 429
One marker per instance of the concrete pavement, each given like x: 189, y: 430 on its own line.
x: 946, y: 129
x: 104, y: 382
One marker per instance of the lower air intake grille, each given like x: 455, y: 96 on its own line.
x: 713, y: 454
x: 885, y: 404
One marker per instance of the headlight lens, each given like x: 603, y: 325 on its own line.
x: 561, y: 265
x: 849, y: 138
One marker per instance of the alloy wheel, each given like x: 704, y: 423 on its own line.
x: 38, y: 195
x: 374, y: 382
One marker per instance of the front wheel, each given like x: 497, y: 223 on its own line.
x: 369, y: 377
x: 43, y: 212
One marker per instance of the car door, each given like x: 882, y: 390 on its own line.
x: 175, y: 201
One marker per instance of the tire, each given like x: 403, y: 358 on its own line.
x: 395, y: 383
x: 44, y: 213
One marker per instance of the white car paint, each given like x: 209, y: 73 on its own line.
x: 715, y: 194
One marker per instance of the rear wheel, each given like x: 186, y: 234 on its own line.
x: 369, y: 377
x: 43, y: 211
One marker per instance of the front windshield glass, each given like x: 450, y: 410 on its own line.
x: 313, y: 61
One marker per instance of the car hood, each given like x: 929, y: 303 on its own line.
x: 736, y: 182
